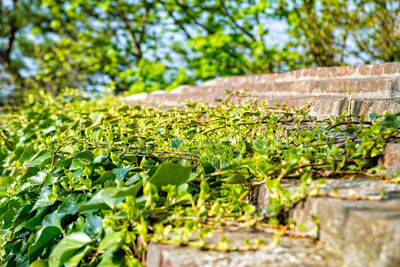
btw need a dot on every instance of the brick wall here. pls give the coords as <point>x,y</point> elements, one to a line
<point>373,88</point>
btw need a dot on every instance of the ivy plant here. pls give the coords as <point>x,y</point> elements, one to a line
<point>91,182</point>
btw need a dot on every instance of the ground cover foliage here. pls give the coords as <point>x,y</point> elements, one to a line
<point>92,182</point>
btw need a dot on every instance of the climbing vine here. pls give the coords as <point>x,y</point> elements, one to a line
<point>92,182</point>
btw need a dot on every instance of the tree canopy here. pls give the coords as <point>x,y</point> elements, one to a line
<point>147,45</point>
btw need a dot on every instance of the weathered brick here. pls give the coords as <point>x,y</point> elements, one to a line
<point>365,70</point>
<point>313,72</point>
<point>322,73</point>
<point>372,237</point>
<point>361,228</point>
<point>273,76</point>
<point>392,157</point>
<point>305,87</point>
<point>323,107</point>
<point>331,72</point>
<point>389,68</point>
<point>292,84</point>
<point>341,71</point>
<point>376,70</point>
<point>351,70</point>
<point>289,252</point>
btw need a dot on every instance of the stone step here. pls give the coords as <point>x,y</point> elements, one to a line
<point>380,87</point>
<point>358,222</point>
<point>342,72</point>
<point>324,106</point>
<point>288,252</point>
<point>321,106</point>
<point>351,217</point>
<point>371,86</point>
<point>391,159</point>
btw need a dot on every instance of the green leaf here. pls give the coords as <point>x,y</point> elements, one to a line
<point>28,152</point>
<point>234,179</point>
<point>77,164</point>
<point>121,172</point>
<point>128,191</point>
<point>52,219</point>
<point>63,163</point>
<point>260,146</point>
<point>39,263</point>
<point>67,247</point>
<point>85,155</point>
<point>45,199</point>
<point>107,198</point>
<point>44,236</point>
<point>77,258</point>
<point>31,171</point>
<point>40,159</point>
<point>37,179</point>
<point>176,143</point>
<point>106,176</point>
<point>111,239</point>
<point>104,199</point>
<point>373,116</point>
<point>70,205</point>
<point>96,118</point>
<point>170,173</point>
<point>108,259</point>
<point>36,221</point>
<point>391,121</point>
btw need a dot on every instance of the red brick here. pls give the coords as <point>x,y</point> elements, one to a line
<point>377,70</point>
<point>282,87</point>
<point>392,155</point>
<point>341,71</point>
<point>351,70</point>
<point>305,72</point>
<point>258,87</point>
<point>365,70</point>
<point>311,86</point>
<point>304,87</point>
<point>331,72</point>
<point>322,72</point>
<point>269,87</point>
<point>209,90</point>
<point>313,72</point>
<point>353,85</point>
<point>390,68</point>
<point>298,73</point>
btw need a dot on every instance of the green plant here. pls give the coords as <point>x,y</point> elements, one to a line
<point>91,182</point>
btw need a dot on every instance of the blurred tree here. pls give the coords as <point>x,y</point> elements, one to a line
<point>333,32</point>
<point>14,18</point>
<point>376,30</point>
<point>147,45</point>
<point>227,37</point>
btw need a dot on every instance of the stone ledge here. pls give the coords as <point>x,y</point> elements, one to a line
<point>341,72</point>
<point>365,230</point>
<point>359,88</point>
<point>380,81</point>
<point>378,87</point>
<point>392,158</point>
<point>321,106</point>
<point>289,252</point>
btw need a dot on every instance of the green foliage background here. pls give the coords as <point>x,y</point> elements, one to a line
<point>146,45</point>
<point>86,184</point>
